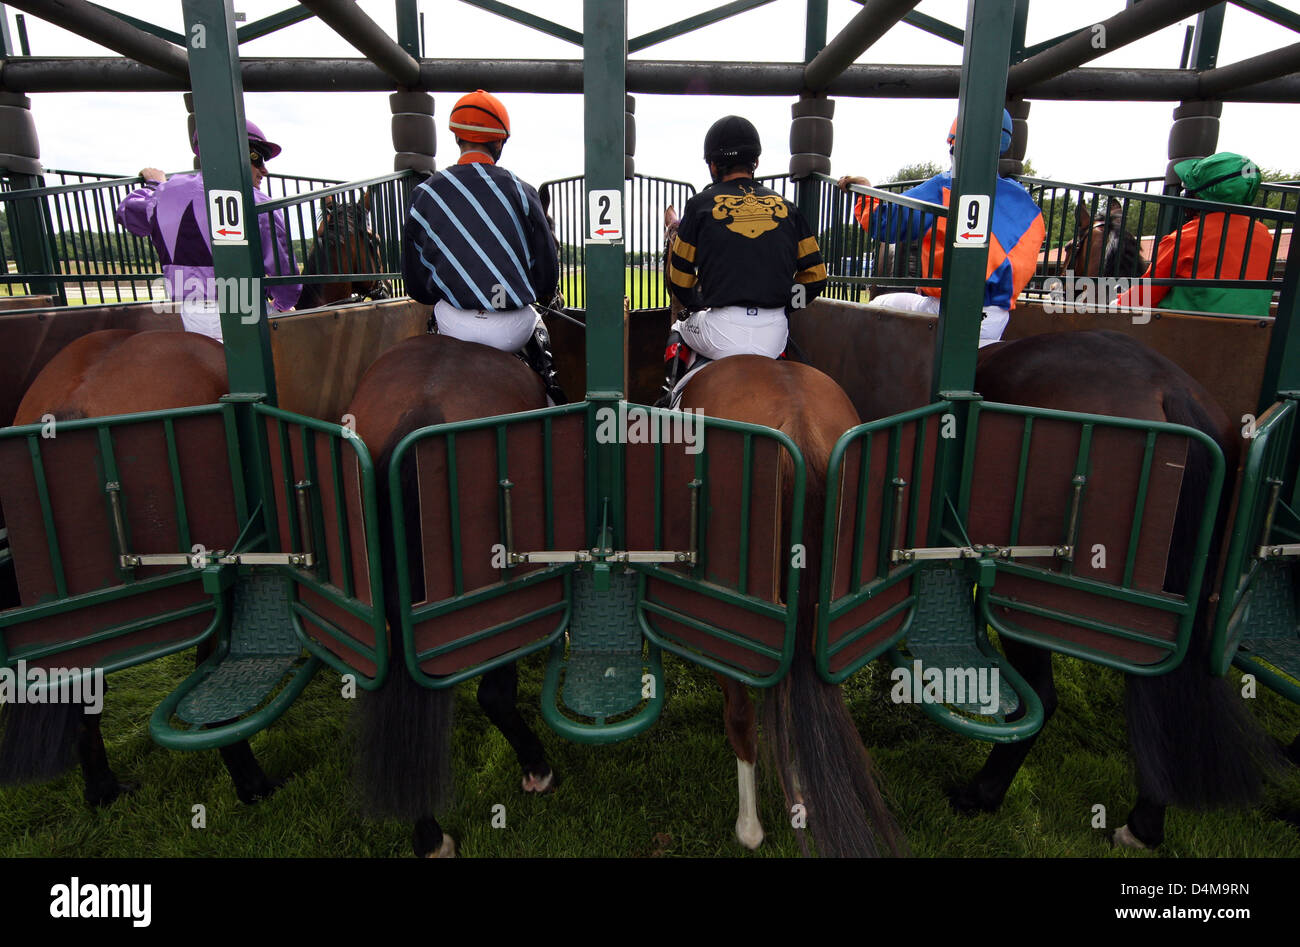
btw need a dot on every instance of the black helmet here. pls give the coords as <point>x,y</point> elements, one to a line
<point>732,140</point>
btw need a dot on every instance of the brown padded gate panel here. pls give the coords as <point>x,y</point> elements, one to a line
<point>874,507</point>
<point>721,516</point>
<point>75,475</point>
<point>477,499</point>
<point>1105,519</point>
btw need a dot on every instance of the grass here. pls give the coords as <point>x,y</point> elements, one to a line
<point>669,792</point>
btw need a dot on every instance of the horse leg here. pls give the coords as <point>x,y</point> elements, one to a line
<point>742,732</point>
<point>986,791</point>
<point>252,785</point>
<point>429,841</point>
<point>1144,828</point>
<point>498,695</point>
<point>101,782</point>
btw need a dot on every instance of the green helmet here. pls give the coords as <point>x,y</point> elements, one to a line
<point>1227,177</point>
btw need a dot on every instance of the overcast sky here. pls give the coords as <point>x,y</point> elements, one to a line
<point>346,135</point>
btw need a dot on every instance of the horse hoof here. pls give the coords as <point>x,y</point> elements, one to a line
<point>539,784</point>
<point>966,801</point>
<point>265,790</point>
<point>106,797</point>
<point>446,850</point>
<point>749,835</point>
<point>1123,836</point>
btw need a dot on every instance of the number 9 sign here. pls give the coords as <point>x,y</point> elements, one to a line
<point>972,221</point>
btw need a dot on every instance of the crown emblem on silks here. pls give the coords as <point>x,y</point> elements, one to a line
<point>750,214</point>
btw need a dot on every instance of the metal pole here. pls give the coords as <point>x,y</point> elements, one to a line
<point>604,87</point>
<point>223,147</point>
<point>102,27</point>
<point>873,21</point>
<point>349,21</point>
<point>408,27</point>
<point>6,41</point>
<point>1101,38</point>
<point>807,195</point>
<point>1280,62</point>
<point>1282,367</point>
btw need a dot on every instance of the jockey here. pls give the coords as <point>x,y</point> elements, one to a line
<point>1017,238</point>
<point>173,214</point>
<point>477,245</point>
<point>743,258</point>
<point>1213,245</point>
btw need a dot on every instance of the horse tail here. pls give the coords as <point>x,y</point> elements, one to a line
<point>812,733</point>
<point>1194,742</point>
<point>38,742</point>
<point>404,730</point>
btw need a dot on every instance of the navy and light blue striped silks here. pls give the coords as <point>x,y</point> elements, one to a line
<point>477,236</point>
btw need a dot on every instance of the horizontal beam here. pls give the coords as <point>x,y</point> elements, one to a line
<point>110,74</point>
<point>874,20</point>
<point>1271,65</point>
<point>1096,40</point>
<point>350,22</point>
<point>102,27</point>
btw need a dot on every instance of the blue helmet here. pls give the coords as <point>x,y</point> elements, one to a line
<point>1006,133</point>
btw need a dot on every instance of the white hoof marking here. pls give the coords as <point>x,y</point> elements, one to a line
<point>446,850</point>
<point>1123,836</point>
<point>532,784</point>
<point>749,831</point>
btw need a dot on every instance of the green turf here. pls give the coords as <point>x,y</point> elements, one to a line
<point>669,792</point>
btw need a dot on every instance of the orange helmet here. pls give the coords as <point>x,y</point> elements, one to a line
<point>480,116</point>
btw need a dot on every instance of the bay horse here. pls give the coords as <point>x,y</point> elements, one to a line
<point>1103,247</point>
<point>344,243</point>
<point>113,371</point>
<point>1193,742</point>
<point>404,743</point>
<point>815,745</point>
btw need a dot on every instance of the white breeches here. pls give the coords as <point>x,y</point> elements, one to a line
<point>201,316</point>
<point>734,330</point>
<point>506,329</point>
<point>992,325</point>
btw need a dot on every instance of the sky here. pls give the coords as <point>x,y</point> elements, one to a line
<point>1073,141</point>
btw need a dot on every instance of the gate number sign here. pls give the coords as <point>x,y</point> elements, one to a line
<point>605,216</point>
<point>972,221</point>
<point>226,216</point>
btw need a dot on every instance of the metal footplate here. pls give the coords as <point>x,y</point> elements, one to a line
<point>954,672</point>
<point>605,674</point>
<point>260,659</point>
<point>1268,624</point>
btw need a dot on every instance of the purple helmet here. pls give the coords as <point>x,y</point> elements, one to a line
<point>256,139</point>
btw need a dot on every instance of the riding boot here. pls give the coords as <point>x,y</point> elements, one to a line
<point>675,355</point>
<point>537,354</point>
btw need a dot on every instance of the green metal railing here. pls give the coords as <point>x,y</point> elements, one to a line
<point>645,199</point>
<point>1262,516</point>
<point>723,574</point>
<point>900,513</point>
<point>347,232</point>
<point>1141,212</point>
<point>38,449</point>
<point>1183,606</point>
<point>324,501</point>
<point>511,579</point>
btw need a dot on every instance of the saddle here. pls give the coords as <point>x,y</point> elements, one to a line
<point>536,354</point>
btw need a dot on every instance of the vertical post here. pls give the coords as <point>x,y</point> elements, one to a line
<point>408,27</point>
<point>1282,367</point>
<point>979,129</point>
<point>604,68</point>
<point>6,41</point>
<point>807,192</point>
<point>1019,24</point>
<point>985,61</point>
<point>223,149</point>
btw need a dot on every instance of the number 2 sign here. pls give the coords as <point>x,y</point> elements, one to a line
<point>605,216</point>
<point>972,221</point>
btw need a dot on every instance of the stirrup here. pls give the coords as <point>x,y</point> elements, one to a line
<point>676,357</point>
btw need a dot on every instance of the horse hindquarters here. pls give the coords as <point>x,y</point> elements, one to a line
<point>1194,743</point>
